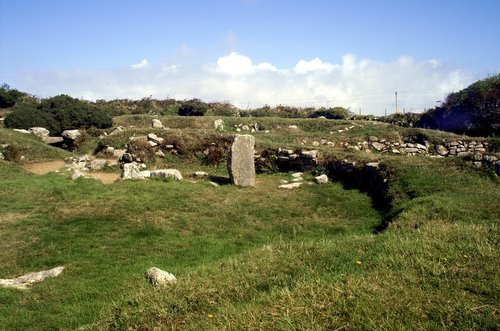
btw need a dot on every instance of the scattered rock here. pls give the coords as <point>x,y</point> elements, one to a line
<point>131,171</point>
<point>293,127</point>
<point>309,154</point>
<point>166,173</point>
<point>77,174</point>
<point>160,153</point>
<point>116,131</point>
<point>291,186</point>
<point>441,150</point>
<point>156,123</point>
<point>240,163</point>
<point>378,146</point>
<point>154,138</point>
<point>97,164</point>
<point>28,280</point>
<point>322,179</point>
<point>219,124</point>
<point>71,134</point>
<point>39,132</point>
<point>158,277</point>
<point>200,174</point>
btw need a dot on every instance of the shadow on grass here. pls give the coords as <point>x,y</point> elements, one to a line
<point>220,180</point>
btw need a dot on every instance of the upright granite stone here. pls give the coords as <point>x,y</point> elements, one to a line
<point>240,162</point>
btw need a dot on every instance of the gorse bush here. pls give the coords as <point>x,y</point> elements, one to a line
<point>335,113</point>
<point>9,97</point>
<point>57,114</point>
<point>193,107</point>
<point>473,111</point>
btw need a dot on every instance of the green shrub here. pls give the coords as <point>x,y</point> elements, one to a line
<point>9,97</point>
<point>474,110</point>
<point>57,114</point>
<point>335,113</point>
<point>193,107</point>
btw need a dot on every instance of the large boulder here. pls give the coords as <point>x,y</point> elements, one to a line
<point>71,134</point>
<point>240,163</point>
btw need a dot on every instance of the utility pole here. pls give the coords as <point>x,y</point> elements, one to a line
<point>396,101</point>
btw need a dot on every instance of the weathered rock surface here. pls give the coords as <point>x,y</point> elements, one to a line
<point>97,164</point>
<point>291,185</point>
<point>158,277</point>
<point>441,150</point>
<point>39,132</point>
<point>26,281</point>
<point>240,163</point>
<point>166,173</point>
<point>219,124</point>
<point>200,174</point>
<point>131,171</point>
<point>71,134</point>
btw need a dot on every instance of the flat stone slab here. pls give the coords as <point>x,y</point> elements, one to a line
<point>26,281</point>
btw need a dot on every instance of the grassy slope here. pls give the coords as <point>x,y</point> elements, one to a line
<point>254,258</point>
<point>29,146</point>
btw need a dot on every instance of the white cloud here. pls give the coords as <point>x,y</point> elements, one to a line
<point>363,84</point>
<point>303,67</point>
<point>235,64</point>
<point>141,65</point>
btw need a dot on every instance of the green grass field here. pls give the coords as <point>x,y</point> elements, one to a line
<point>252,258</point>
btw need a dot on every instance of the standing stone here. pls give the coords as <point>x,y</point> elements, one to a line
<point>156,123</point>
<point>240,162</point>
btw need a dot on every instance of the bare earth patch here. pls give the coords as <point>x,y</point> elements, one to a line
<point>104,177</point>
<point>41,168</point>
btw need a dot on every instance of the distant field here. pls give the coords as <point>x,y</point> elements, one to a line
<point>251,258</point>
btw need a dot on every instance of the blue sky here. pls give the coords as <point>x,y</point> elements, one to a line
<point>307,53</point>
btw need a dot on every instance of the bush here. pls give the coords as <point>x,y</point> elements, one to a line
<point>193,107</point>
<point>9,97</point>
<point>335,113</point>
<point>473,111</point>
<point>57,114</point>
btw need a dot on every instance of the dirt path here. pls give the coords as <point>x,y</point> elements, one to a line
<point>104,177</point>
<point>41,168</point>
